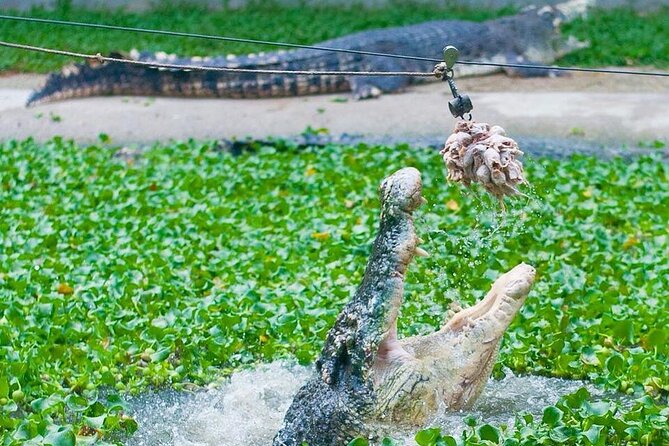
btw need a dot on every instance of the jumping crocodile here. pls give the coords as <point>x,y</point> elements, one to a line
<point>365,374</point>
<point>530,36</point>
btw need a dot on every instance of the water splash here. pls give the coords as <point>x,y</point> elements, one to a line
<point>249,408</point>
<point>474,245</point>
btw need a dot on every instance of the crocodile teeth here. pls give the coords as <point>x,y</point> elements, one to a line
<point>420,252</point>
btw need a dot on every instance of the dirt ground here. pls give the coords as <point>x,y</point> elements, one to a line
<point>611,109</point>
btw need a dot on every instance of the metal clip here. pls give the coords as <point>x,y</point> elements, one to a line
<point>460,105</point>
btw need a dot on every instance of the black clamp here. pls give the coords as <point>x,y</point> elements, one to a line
<point>460,105</point>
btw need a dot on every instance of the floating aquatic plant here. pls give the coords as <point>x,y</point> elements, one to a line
<point>185,263</point>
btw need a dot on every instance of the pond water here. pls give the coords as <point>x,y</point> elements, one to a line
<point>249,408</point>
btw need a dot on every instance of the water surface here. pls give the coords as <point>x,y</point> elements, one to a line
<point>249,408</point>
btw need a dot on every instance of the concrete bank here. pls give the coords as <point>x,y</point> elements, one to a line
<point>585,107</point>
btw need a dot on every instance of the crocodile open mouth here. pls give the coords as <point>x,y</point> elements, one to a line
<point>479,328</point>
<point>489,317</point>
<point>366,374</point>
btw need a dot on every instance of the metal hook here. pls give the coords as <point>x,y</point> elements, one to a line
<point>460,105</point>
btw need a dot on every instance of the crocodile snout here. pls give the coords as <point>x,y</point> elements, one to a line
<point>519,280</point>
<point>402,190</point>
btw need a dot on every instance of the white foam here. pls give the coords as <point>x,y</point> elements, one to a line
<point>246,410</point>
<point>249,408</point>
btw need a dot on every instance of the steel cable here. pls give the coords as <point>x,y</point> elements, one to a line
<point>100,58</point>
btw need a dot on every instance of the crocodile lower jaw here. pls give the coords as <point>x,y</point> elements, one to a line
<point>415,377</point>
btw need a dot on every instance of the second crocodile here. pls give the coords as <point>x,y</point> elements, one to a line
<point>530,36</point>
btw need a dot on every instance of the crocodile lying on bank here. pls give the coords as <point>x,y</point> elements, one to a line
<point>530,36</point>
<point>366,375</point>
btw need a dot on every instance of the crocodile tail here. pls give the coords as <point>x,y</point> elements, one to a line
<point>93,78</point>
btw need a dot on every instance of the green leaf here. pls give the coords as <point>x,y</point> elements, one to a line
<point>4,387</point>
<point>428,437</point>
<point>594,434</point>
<point>160,355</point>
<point>95,422</point>
<point>657,338</point>
<point>470,420</point>
<point>562,434</point>
<point>597,408</point>
<point>359,442</point>
<point>76,403</point>
<point>624,330</point>
<point>552,416</point>
<point>447,441</point>
<point>489,433</point>
<point>63,437</point>
<point>588,356</point>
<point>43,404</point>
<point>615,362</point>
<point>576,399</point>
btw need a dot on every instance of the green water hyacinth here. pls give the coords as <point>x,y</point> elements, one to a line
<point>176,267</point>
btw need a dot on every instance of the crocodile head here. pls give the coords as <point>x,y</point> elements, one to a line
<point>366,374</point>
<point>536,32</point>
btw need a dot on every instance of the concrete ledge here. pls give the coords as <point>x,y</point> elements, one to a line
<point>588,106</point>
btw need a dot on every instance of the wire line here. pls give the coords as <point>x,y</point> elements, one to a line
<point>100,58</point>
<point>561,68</point>
<point>323,48</point>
